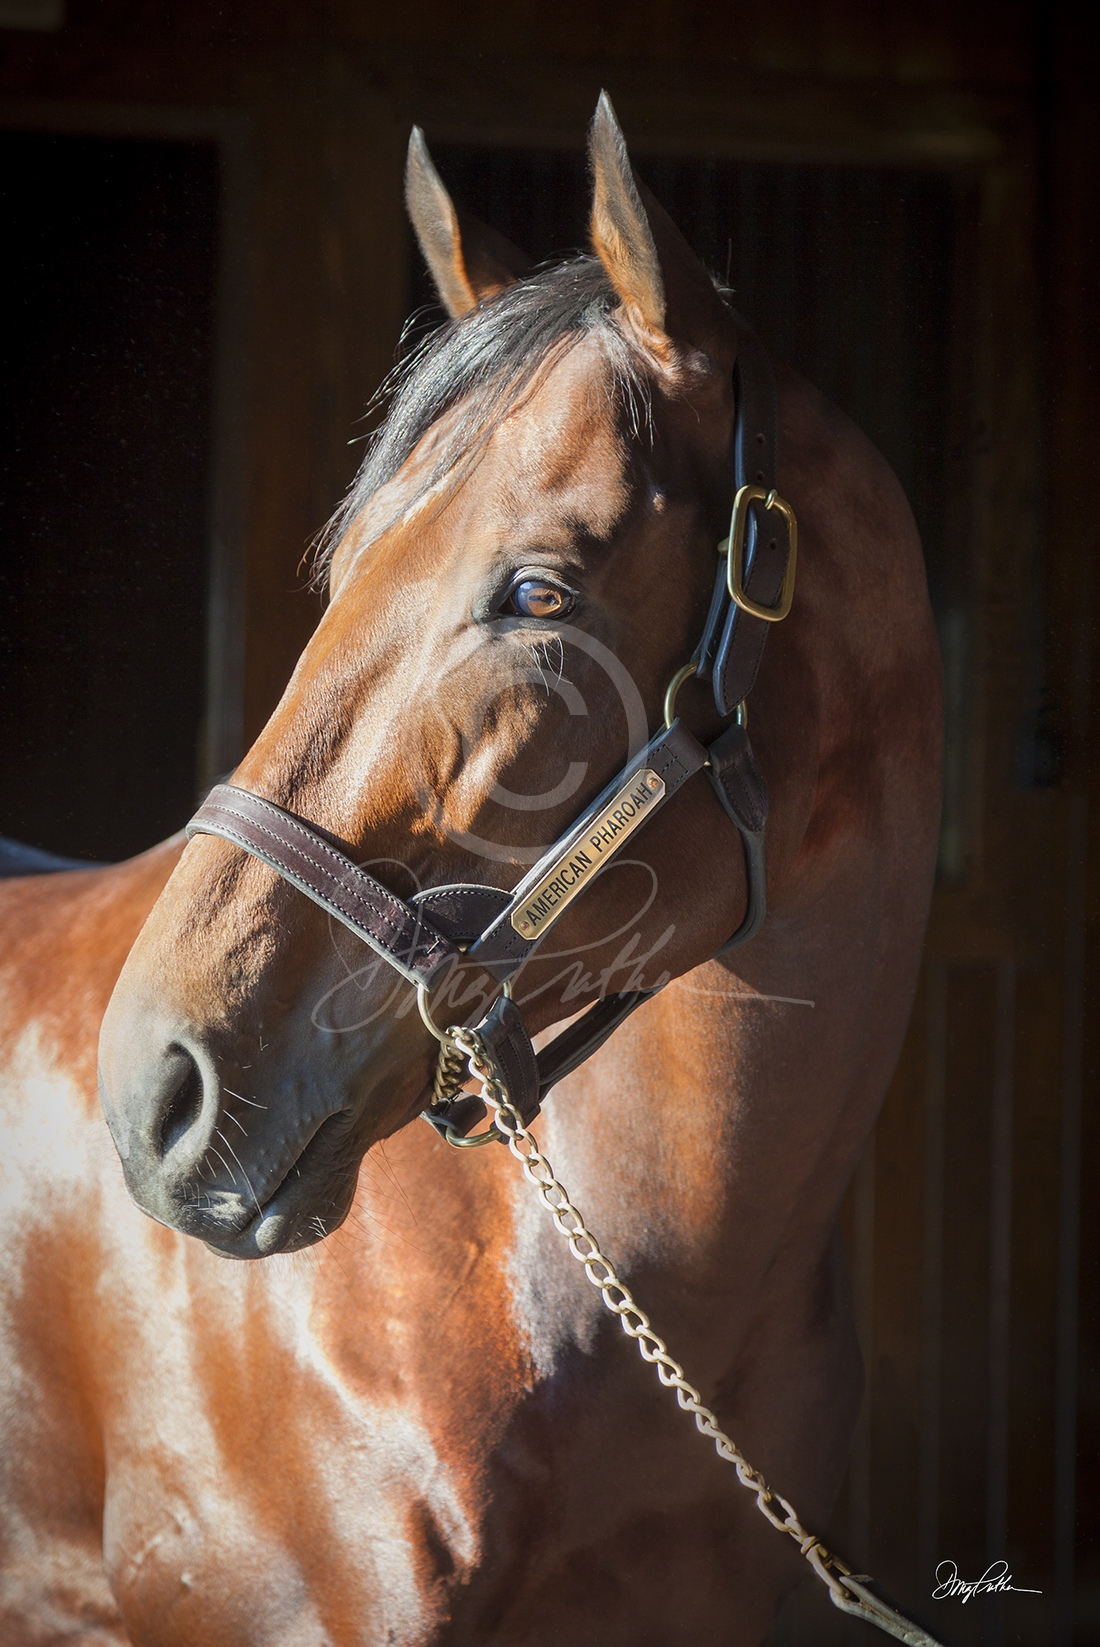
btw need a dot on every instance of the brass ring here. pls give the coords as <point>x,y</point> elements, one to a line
<point>422,996</point>
<point>455,1138</point>
<point>491,1135</point>
<point>444,1037</point>
<point>673,688</point>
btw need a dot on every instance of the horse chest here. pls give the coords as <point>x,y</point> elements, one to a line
<point>263,1490</point>
<point>364,1539</point>
<point>279,1471</point>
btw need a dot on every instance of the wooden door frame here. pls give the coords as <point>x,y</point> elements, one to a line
<point>229,132</point>
<point>1006,910</point>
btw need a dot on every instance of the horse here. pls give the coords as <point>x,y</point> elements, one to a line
<point>413,1422</point>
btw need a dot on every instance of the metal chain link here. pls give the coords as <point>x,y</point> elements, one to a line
<point>845,1589</point>
<point>450,1072</point>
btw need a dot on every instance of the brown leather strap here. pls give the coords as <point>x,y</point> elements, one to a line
<point>739,784</point>
<point>461,910</point>
<point>505,1034</point>
<point>569,1050</point>
<point>733,641</point>
<point>738,781</point>
<point>401,935</point>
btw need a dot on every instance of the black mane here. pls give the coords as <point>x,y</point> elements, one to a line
<point>487,360</point>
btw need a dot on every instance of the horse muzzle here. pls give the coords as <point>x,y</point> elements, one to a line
<point>208,1150</point>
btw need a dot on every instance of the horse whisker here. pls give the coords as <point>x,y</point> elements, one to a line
<point>223,1161</point>
<point>244,1174</point>
<point>251,1102</point>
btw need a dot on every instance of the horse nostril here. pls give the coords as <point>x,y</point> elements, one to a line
<point>184,1106</point>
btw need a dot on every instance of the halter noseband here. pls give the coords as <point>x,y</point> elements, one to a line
<point>431,931</point>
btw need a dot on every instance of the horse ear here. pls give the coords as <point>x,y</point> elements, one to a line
<point>664,289</point>
<point>467,260</point>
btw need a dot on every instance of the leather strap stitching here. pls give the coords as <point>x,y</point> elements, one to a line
<point>426,948</point>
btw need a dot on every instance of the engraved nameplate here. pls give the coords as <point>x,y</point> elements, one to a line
<point>571,873</point>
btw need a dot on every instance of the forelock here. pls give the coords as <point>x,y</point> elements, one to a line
<point>483,365</point>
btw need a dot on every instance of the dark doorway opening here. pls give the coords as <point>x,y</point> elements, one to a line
<point>106,364</point>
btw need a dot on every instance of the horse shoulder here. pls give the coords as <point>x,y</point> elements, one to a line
<point>63,938</point>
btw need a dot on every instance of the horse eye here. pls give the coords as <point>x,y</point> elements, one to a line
<point>534,598</point>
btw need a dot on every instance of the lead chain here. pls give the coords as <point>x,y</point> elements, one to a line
<point>450,1072</point>
<point>845,1590</point>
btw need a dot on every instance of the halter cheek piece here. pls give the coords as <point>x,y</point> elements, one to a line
<point>422,937</point>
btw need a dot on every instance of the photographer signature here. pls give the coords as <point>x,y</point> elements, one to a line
<point>996,1578</point>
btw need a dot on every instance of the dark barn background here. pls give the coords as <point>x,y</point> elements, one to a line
<point>205,275</point>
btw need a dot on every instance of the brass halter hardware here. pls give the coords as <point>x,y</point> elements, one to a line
<point>450,1073</point>
<point>673,687</point>
<point>735,546</point>
<point>444,1036</point>
<point>672,692</point>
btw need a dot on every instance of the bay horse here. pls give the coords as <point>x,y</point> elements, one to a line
<point>413,1423</point>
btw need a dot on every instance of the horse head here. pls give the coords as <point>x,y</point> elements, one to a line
<point>524,562</point>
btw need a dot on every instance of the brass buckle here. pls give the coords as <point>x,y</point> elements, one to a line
<point>735,548</point>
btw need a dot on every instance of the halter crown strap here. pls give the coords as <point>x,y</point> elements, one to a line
<point>732,646</point>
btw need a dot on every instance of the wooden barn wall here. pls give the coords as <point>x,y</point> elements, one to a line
<point>971,1229</point>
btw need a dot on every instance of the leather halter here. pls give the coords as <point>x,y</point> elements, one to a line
<point>425,935</point>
